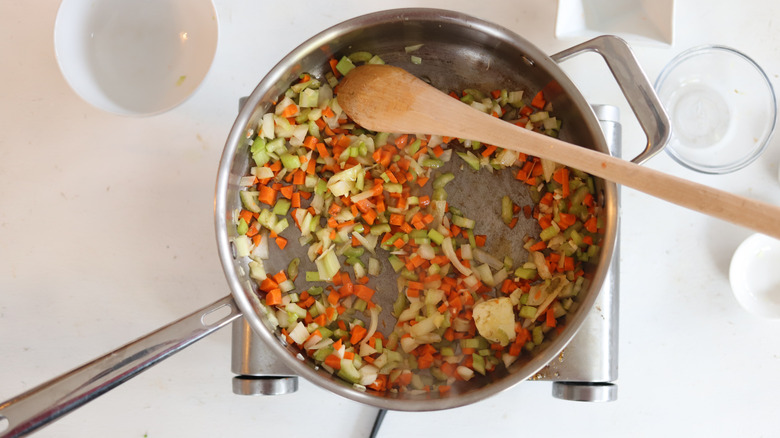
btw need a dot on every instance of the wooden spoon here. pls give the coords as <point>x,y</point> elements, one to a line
<point>389,99</point>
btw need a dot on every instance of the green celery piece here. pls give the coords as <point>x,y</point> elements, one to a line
<point>360,57</point>
<point>506,209</point>
<point>344,65</point>
<point>322,353</point>
<point>435,236</point>
<point>258,144</point>
<point>470,159</point>
<point>290,161</point>
<point>527,312</point>
<point>525,273</point>
<point>478,363</point>
<point>281,207</point>
<point>249,200</point>
<point>242,226</point>
<point>309,98</point>
<point>441,180</point>
<point>537,335</point>
<point>414,147</point>
<point>375,60</point>
<point>548,233</point>
<point>292,268</point>
<point>395,262</point>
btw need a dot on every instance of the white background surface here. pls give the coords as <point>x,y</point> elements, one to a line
<point>106,234</point>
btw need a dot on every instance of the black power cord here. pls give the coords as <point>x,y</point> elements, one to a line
<point>380,416</point>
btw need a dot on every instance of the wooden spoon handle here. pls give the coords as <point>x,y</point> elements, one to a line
<point>384,98</point>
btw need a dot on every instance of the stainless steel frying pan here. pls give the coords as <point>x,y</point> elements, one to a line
<point>458,52</point>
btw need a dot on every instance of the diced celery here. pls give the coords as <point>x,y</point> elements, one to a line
<point>525,273</point>
<point>242,226</point>
<point>327,265</point>
<point>441,180</point>
<point>549,232</point>
<point>249,200</point>
<point>395,262</point>
<point>527,312</point>
<point>478,363</point>
<point>309,98</point>
<point>322,353</point>
<point>375,60</point>
<point>537,335</point>
<point>463,222</point>
<point>292,268</point>
<point>506,209</point>
<point>470,159</point>
<point>379,229</point>
<point>360,56</point>
<point>281,207</point>
<point>241,243</point>
<point>344,65</point>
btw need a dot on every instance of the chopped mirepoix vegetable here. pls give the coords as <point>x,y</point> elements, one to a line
<point>358,199</point>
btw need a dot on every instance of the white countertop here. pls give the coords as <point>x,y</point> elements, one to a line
<point>106,233</point>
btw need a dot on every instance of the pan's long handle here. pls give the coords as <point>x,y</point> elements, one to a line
<point>57,397</point>
<point>636,88</point>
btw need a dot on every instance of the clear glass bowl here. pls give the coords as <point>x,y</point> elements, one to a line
<point>722,106</point>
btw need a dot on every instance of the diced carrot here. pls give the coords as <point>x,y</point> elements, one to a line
<point>295,201</point>
<point>488,150</point>
<point>246,216</point>
<point>273,297</point>
<point>281,242</point>
<point>538,246</point>
<point>358,332</point>
<point>425,361</point>
<point>480,239</point>
<point>333,361</point>
<point>267,195</point>
<point>592,224</point>
<point>396,219</point>
<point>550,318</point>
<point>286,191</point>
<point>365,293</point>
<point>268,284</point>
<point>280,277</point>
<point>538,100</point>
<point>333,62</point>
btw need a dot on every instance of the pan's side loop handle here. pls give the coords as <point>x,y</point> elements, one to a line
<point>47,402</point>
<point>636,88</point>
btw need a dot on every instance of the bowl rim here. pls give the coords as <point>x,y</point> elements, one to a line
<point>762,145</point>
<point>106,104</point>
<point>740,261</point>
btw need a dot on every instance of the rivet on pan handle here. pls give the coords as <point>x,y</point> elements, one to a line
<point>636,88</point>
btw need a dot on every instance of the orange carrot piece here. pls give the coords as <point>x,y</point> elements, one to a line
<point>358,333</point>
<point>295,201</point>
<point>538,100</point>
<point>550,318</point>
<point>281,242</point>
<point>333,361</point>
<point>286,191</point>
<point>538,246</point>
<point>273,297</point>
<point>365,293</point>
<point>267,195</point>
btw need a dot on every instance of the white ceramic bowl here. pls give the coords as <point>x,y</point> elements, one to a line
<point>755,275</point>
<point>139,57</point>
